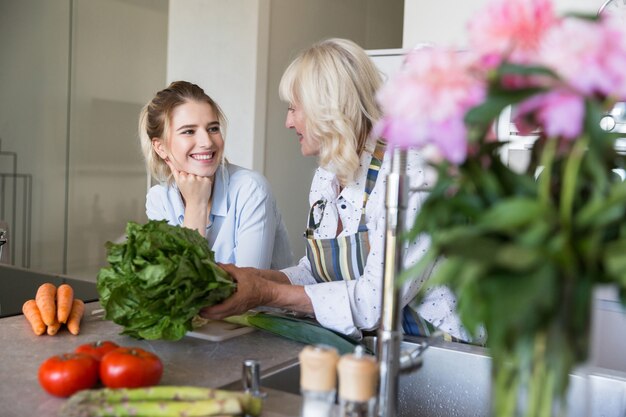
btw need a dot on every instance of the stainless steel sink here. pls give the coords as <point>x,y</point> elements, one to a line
<point>19,284</point>
<point>455,381</point>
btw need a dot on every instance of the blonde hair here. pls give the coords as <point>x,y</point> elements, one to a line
<point>155,117</point>
<point>335,84</point>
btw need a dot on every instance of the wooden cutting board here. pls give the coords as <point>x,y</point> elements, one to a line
<point>217,331</point>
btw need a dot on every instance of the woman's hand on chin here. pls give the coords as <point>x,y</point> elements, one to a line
<point>195,190</point>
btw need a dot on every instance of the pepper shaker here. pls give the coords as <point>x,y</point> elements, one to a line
<point>358,382</point>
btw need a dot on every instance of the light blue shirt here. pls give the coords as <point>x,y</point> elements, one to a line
<point>245,226</point>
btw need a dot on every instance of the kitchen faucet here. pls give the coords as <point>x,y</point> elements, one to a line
<point>389,332</point>
<point>391,361</point>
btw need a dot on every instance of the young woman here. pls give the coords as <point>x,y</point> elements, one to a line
<point>181,133</point>
<point>331,90</point>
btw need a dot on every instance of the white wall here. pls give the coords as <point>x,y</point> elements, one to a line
<point>444,23</point>
<point>222,46</point>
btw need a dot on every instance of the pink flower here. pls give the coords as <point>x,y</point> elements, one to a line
<point>510,30</point>
<point>590,56</point>
<point>560,114</point>
<point>425,103</point>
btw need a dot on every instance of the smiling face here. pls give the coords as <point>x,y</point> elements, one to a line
<point>194,141</point>
<point>296,120</point>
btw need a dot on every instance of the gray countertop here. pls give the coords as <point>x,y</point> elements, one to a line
<point>189,361</point>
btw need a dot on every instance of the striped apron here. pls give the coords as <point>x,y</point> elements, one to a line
<point>343,257</point>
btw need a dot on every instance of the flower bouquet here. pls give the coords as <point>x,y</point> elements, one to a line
<point>521,250</point>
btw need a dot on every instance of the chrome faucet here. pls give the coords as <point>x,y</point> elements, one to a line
<point>390,333</point>
<point>390,358</point>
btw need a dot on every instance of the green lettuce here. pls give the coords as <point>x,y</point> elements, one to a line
<point>159,279</point>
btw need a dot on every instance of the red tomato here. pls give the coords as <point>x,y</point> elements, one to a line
<point>63,375</point>
<point>97,349</point>
<point>129,367</point>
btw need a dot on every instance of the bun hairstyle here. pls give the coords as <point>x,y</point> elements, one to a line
<point>155,117</point>
<point>335,83</point>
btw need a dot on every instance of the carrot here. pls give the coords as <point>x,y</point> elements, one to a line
<point>54,327</point>
<point>73,322</point>
<point>65,297</point>
<point>32,314</point>
<point>45,299</point>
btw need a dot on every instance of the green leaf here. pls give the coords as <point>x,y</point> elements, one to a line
<point>462,277</point>
<point>490,251</point>
<point>517,257</point>
<point>518,303</point>
<point>535,234</point>
<point>418,268</point>
<point>488,111</point>
<point>585,16</point>
<point>593,114</point>
<point>496,101</point>
<point>603,211</point>
<point>511,214</point>
<point>527,70</point>
<point>615,261</point>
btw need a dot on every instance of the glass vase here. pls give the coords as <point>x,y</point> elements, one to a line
<point>532,382</point>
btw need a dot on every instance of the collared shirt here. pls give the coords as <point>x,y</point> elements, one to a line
<point>244,227</point>
<point>351,306</point>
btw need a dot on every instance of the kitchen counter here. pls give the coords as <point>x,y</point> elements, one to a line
<point>189,361</point>
<point>193,361</point>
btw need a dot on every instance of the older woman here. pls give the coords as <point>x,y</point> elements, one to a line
<point>330,88</point>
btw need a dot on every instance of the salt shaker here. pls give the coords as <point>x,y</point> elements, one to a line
<point>318,380</point>
<point>358,382</point>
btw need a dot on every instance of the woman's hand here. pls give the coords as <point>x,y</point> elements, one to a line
<point>196,192</point>
<point>259,287</point>
<point>252,291</point>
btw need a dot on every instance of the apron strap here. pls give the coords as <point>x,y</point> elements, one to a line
<point>372,176</point>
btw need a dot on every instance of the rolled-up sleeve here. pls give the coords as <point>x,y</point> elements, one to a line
<point>300,274</point>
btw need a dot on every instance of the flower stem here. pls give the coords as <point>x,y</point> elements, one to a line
<point>538,367</point>
<point>545,178</point>
<point>542,400</point>
<point>570,177</point>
